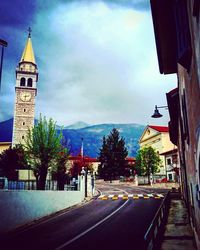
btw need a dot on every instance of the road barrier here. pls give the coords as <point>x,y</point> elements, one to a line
<point>157,224</point>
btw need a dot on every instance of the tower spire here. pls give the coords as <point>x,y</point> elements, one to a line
<point>28,54</point>
<point>29,32</point>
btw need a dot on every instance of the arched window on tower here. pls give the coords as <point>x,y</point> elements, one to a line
<point>30,82</point>
<point>22,81</point>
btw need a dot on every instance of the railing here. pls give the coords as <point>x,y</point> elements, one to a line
<point>157,224</point>
<point>31,185</point>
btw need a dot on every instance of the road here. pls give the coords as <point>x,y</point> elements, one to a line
<point>117,220</point>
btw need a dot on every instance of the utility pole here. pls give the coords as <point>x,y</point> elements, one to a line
<point>3,44</point>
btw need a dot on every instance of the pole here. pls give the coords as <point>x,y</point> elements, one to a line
<point>1,64</point>
<point>3,44</point>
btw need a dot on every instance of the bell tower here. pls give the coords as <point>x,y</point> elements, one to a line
<point>25,93</point>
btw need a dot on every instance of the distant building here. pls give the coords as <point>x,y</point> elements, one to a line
<point>158,138</point>
<point>4,146</point>
<point>177,34</point>
<point>172,165</point>
<point>85,160</point>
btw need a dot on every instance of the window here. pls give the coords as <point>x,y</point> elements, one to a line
<point>22,81</point>
<point>169,161</point>
<point>170,177</point>
<point>184,54</point>
<point>30,82</point>
<point>185,119</point>
<point>22,137</point>
<point>24,110</point>
<point>196,9</point>
<point>23,123</point>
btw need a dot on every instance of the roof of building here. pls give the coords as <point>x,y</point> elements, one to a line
<point>83,158</point>
<point>28,54</point>
<point>160,128</point>
<point>173,151</point>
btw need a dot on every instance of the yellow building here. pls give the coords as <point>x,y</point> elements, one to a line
<point>4,146</point>
<point>158,138</point>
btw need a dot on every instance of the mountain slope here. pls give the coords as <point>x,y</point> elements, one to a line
<point>92,136</point>
<point>77,125</point>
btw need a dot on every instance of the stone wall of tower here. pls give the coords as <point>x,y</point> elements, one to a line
<point>24,115</point>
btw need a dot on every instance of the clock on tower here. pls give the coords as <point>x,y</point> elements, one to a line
<point>25,93</point>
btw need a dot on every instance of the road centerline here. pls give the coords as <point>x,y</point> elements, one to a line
<point>91,228</point>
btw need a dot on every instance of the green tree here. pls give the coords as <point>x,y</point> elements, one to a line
<point>112,156</point>
<point>11,160</point>
<point>147,161</point>
<point>42,146</point>
<point>59,169</point>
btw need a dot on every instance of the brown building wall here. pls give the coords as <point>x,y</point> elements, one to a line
<point>189,83</point>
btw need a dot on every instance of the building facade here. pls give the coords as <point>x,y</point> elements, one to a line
<point>4,146</point>
<point>177,35</point>
<point>157,137</point>
<point>25,93</point>
<point>172,165</point>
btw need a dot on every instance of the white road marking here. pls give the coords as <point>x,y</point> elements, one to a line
<point>131,195</point>
<point>160,195</point>
<point>91,228</point>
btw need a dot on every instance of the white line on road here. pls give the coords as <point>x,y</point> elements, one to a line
<point>91,228</point>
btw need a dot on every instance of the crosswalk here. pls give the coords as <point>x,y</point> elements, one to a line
<point>130,196</point>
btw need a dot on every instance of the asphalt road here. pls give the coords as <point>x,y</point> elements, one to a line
<point>101,224</point>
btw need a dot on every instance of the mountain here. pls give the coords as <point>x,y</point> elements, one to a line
<point>6,128</point>
<point>92,136</point>
<point>77,125</point>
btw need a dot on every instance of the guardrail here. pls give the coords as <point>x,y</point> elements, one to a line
<point>151,236</point>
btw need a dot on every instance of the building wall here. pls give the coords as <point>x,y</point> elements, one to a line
<point>167,145</point>
<point>22,207</point>
<point>4,146</point>
<point>178,48</point>
<point>160,142</point>
<point>189,84</point>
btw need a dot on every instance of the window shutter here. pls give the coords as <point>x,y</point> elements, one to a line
<point>183,34</point>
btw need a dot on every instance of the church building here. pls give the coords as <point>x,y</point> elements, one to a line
<point>25,93</point>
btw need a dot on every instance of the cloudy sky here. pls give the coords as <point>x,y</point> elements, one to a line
<point>97,60</point>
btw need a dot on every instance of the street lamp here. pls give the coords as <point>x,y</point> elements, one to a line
<point>156,113</point>
<point>3,44</point>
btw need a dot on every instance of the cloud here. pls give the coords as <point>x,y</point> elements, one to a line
<point>97,62</point>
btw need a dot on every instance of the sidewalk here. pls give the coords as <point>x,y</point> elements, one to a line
<point>178,233</point>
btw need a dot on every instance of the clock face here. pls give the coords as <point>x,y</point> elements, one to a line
<point>25,96</point>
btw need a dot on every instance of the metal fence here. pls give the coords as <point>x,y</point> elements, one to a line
<point>157,224</point>
<point>31,185</point>
<point>142,180</point>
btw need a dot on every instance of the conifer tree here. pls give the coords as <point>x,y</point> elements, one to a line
<point>112,156</point>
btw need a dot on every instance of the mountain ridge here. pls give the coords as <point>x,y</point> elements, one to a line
<point>92,136</point>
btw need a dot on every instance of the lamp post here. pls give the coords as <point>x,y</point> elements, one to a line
<point>3,44</point>
<point>156,113</point>
<point>84,173</point>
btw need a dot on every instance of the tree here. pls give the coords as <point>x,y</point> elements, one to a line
<point>11,160</point>
<point>59,169</point>
<point>78,166</point>
<point>42,146</point>
<point>147,161</point>
<point>112,156</point>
